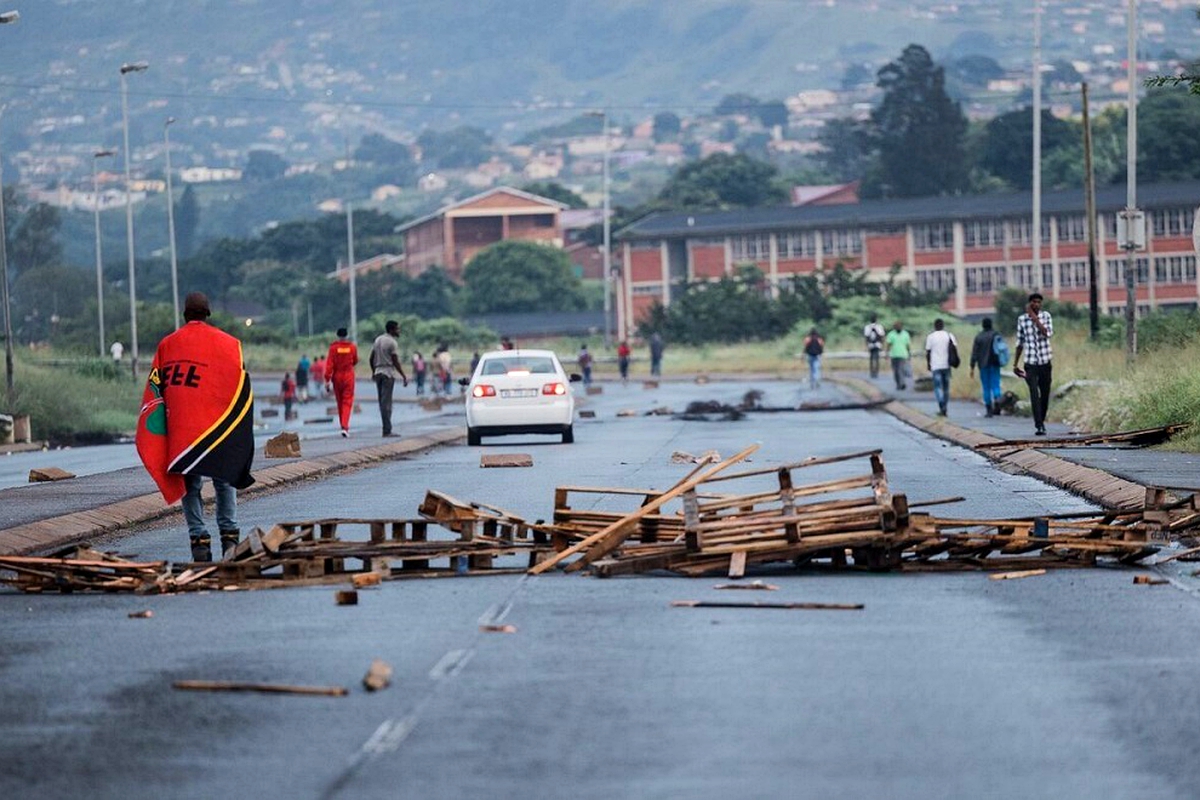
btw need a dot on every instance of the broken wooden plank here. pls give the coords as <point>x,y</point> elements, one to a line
<point>799,606</point>
<point>506,460</point>
<point>1009,576</point>
<point>267,688</point>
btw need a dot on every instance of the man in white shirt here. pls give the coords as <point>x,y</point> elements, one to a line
<point>938,348</point>
<point>873,335</point>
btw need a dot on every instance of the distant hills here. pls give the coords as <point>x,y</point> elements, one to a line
<point>305,76</point>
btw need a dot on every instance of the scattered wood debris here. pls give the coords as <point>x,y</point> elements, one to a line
<point>707,457</point>
<point>147,614</point>
<point>752,586</point>
<point>1147,580</point>
<point>1145,437</point>
<point>266,688</point>
<point>587,413</point>
<point>798,606</point>
<point>346,597</point>
<point>1012,576</point>
<point>498,628</point>
<point>379,675</point>
<point>45,474</point>
<point>506,460</point>
<point>628,412</point>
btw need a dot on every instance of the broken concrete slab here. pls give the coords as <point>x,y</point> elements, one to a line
<point>285,445</point>
<point>506,460</point>
<point>45,474</point>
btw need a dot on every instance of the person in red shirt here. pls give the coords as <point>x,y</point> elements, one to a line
<point>318,376</point>
<point>339,376</point>
<point>623,353</point>
<point>287,392</point>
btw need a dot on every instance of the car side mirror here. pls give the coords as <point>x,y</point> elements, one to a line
<point>575,377</point>
<point>464,381</point>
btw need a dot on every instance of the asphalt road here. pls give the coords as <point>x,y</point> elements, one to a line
<point>1074,684</point>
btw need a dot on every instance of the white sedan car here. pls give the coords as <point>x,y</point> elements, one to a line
<point>519,391</point>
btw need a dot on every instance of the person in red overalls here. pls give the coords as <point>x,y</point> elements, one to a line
<point>339,376</point>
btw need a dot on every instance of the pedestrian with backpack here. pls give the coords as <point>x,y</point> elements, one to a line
<point>989,352</point>
<point>941,356</point>
<point>873,335</point>
<point>814,346</point>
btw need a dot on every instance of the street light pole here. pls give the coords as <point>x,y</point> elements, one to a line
<point>1131,213</point>
<point>171,220</point>
<point>140,66</point>
<point>606,255</point>
<point>1036,239</point>
<point>350,256</point>
<point>96,156</point>
<point>6,18</point>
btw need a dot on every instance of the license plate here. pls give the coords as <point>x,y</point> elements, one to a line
<point>518,392</point>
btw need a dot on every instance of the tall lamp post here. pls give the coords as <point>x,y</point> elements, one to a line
<point>607,253</point>
<point>350,257</point>
<point>1036,238</point>
<point>171,220</point>
<point>6,18</point>
<point>138,66</point>
<point>96,156</point>
<point>1133,218</point>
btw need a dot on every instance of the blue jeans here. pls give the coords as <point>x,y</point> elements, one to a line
<point>989,381</point>
<point>193,507</point>
<point>814,371</point>
<point>941,387</point>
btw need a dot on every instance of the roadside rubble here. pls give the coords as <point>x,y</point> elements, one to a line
<point>831,513</point>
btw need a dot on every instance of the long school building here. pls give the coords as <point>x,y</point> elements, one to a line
<point>971,247</point>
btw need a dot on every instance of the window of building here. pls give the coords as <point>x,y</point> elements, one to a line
<point>1023,276</point>
<point>1175,269</point>
<point>983,233</point>
<point>985,280</point>
<point>933,236</point>
<point>751,247</point>
<point>1047,274</point>
<point>644,246</point>
<point>1072,229</point>
<point>1171,222</point>
<point>1116,271</point>
<point>1020,230</point>
<point>935,280</point>
<point>798,244</point>
<point>1073,274</point>
<point>841,242</point>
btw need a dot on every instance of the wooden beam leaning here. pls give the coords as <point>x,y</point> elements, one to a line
<point>605,541</point>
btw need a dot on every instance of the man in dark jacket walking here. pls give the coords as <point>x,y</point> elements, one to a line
<point>983,355</point>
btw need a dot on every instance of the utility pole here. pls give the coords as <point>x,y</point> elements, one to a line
<point>1134,221</point>
<point>1089,182</point>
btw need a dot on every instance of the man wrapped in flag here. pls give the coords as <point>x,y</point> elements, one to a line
<point>197,420</point>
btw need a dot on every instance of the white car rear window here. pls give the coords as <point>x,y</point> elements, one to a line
<point>536,365</point>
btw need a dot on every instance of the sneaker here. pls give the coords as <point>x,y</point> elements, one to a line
<point>345,432</point>
<point>1040,432</point>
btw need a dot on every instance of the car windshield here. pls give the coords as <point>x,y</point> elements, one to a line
<point>519,365</point>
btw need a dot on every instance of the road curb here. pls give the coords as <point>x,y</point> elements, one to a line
<point>57,532</point>
<point>1100,487</point>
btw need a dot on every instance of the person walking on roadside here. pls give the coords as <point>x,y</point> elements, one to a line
<point>287,393</point>
<point>814,346</point>
<point>196,421</point>
<point>339,376</point>
<point>318,376</point>
<point>385,366</point>
<point>302,368</point>
<point>585,364</point>
<point>941,356</point>
<point>873,335</point>
<point>623,354</point>
<point>1034,329</point>
<point>656,353</point>
<point>899,346</point>
<point>985,356</point>
<point>418,368</point>
<point>445,374</point>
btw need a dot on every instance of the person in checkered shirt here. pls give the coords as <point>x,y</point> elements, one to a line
<point>1034,329</point>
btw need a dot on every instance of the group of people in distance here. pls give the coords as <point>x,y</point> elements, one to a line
<point>989,353</point>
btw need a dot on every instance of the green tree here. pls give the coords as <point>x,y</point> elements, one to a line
<point>555,191</point>
<point>921,131</point>
<point>740,103</point>
<point>187,222</point>
<point>667,126</point>
<point>464,146</point>
<point>34,241</point>
<point>512,276</point>
<point>772,113</point>
<point>849,149</point>
<point>264,165</point>
<point>375,148</point>
<point>1006,147</point>
<point>976,70</point>
<point>1168,136</point>
<point>723,181</point>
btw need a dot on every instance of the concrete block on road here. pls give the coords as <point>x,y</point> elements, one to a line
<point>285,445</point>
